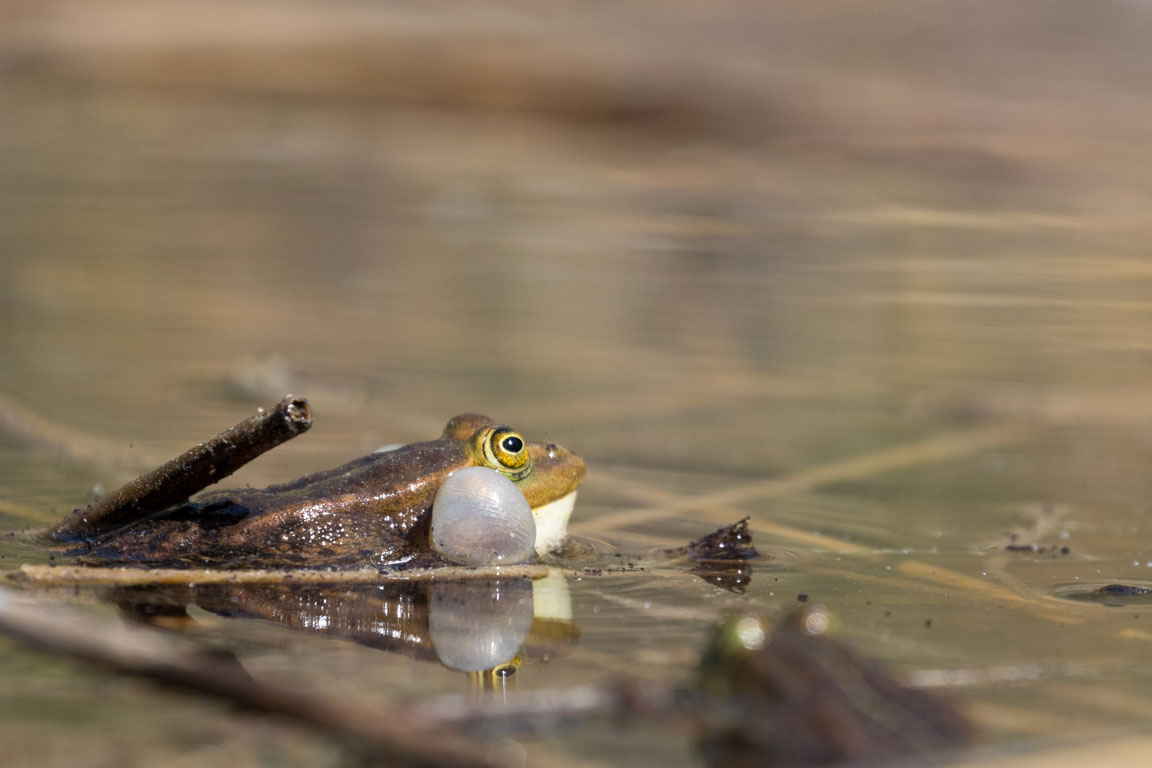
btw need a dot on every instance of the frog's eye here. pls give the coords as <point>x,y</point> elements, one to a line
<point>506,450</point>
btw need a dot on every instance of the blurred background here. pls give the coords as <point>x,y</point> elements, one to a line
<point>875,274</point>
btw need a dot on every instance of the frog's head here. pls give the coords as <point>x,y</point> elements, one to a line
<point>547,474</point>
<point>743,649</point>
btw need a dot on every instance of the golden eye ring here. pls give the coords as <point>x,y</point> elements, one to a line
<point>507,451</point>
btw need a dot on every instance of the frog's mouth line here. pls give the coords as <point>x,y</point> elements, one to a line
<point>552,522</point>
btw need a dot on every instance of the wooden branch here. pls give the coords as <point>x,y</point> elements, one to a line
<point>191,472</point>
<point>389,733</point>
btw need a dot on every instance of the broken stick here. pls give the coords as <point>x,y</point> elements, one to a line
<point>191,472</point>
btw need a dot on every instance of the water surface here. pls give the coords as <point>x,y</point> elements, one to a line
<point>892,304</point>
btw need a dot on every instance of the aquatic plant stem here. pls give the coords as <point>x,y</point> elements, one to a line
<point>388,735</point>
<point>191,472</point>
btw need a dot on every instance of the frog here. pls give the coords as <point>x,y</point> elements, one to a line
<point>374,511</point>
<point>795,695</point>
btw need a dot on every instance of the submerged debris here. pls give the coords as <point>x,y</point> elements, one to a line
<point>722,557</point>
<point>1043,523</point>
<point>732,542</point>
<point>1124,590</point>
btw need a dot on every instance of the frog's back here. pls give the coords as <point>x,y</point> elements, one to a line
<point>370,511</point>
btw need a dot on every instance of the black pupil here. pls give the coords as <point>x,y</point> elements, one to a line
<point>512,444</point>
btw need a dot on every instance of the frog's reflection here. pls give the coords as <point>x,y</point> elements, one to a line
<point>486,627</point>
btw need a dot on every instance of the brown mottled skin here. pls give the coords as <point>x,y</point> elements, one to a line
<point>372,511</point>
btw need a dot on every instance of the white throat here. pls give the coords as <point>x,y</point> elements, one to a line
<point>552,522</point>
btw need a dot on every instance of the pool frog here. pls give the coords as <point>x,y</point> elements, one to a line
<point>793,695</point>
<point>371,512</point>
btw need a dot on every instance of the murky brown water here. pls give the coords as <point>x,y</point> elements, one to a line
<point>879,281</point>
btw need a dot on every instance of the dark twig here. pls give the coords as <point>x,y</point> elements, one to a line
<point>191,472</point>
<point>389,733</point>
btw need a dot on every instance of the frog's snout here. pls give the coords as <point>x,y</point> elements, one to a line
<point>556,472</point>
